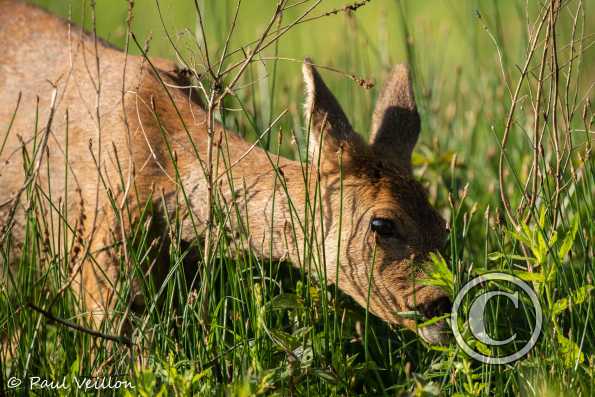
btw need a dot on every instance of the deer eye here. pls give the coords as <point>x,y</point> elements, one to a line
<point>384,227</point>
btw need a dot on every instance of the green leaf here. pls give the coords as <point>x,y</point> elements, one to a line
<point>483,349</point>
<point>441,267</point>
<point>578,296</point>
<point>581,294</point>
<point>74,368</point>
<point>551,274</point>
<point>542,245</point>
<point>538,249</point>
<point>526,276</point>
<point>551,241</point>
<point>569,238</point>
<point>282,339</point>
<point>196,378</point>
<point>523,237</point>
<point>439,274</point>
<point>326,375</point>
<point>542,217</point>
<point>559,306</point>
<point>412,315</point>
<point>571,353</point>
<point>433,321</point>
<point>286,302</point>
<point>494,256</point>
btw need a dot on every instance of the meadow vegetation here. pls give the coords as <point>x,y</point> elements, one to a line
<point>505,91</point>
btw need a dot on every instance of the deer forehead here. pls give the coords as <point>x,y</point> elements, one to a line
<point>384,191</point>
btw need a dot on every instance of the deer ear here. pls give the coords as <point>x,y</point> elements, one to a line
<point>395,122</point>
<point>329,127</point>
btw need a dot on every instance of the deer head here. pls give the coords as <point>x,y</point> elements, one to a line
<point>391,228</point>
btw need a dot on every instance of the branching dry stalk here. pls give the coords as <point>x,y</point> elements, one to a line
<point>505,136</point>
<point>282,30</point>
<point>532,194</point>
<point>554,106</point>
<point>554,10</point>
<point>36,163</point>
<point>214,101</point>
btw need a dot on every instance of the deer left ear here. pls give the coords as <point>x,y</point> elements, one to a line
<point>329,127</point>
<point>396,122</point>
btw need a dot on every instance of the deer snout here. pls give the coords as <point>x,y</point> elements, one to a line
<point>435,308</point>
<point>437,333</point>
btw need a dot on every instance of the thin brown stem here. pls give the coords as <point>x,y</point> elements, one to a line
<point>532,194</point>
<point>505,136</point>
<point>114,338</point>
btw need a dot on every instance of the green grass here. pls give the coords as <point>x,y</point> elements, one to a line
<point>275,330</point>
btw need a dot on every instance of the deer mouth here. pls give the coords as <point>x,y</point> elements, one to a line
<point>436,334</point>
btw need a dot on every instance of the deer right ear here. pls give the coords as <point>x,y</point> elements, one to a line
<point>329,128</point>
<point>395,122</point>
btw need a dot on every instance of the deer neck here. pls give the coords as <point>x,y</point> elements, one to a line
<point>267,201</point>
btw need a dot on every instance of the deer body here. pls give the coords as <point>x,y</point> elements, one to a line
<point>111,131</point>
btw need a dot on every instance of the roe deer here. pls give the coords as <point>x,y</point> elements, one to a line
<point>105,125</point>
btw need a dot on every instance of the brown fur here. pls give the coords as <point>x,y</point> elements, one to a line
<point>131,128</point>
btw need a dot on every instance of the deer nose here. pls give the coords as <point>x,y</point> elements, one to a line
<point>436,308</point>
